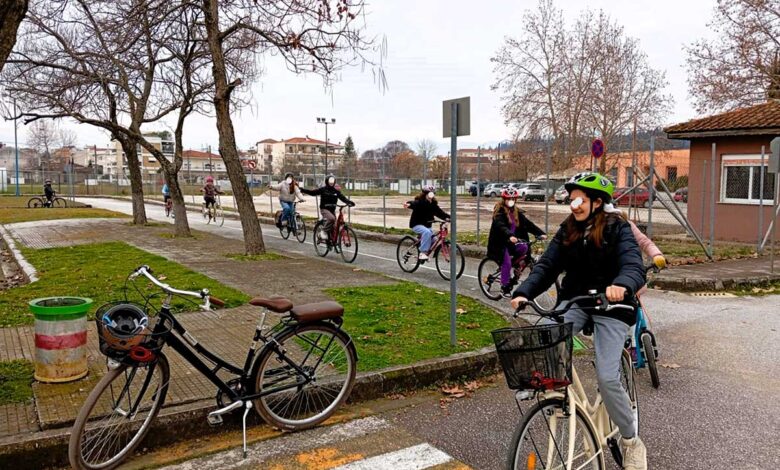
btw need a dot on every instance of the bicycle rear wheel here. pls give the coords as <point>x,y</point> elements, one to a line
<point>34,202</point>
<point>219,215</point>
<point>300,228</point>
<point>348,244</point>
<point>168,207</point>
<point>407,254</point>
<point>321,245</point>
<point>117,414</point>
<point>542,440</point>
<point>59,202</point>
<point>444,256</point>
<point>489,273</point>
<point>648,350</point>
<point>329,359</point>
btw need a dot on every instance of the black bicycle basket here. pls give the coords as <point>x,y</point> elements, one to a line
<point>535,357</point>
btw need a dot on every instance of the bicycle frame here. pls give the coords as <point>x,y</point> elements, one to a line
<point>639,327</point>
<point>337,225</point>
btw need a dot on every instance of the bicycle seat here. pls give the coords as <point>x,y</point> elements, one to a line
<point>317,311</point>
<point>274,304</point>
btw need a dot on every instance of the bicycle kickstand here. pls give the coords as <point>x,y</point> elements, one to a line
<point>247,407</point>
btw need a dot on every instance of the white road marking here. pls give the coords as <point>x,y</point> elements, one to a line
<point>412,458</point>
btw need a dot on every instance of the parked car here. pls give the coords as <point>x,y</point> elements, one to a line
<point>494,189</point>
<point>638,197</point>
<point>532,191</point>
<point>561,195</point>
<point>681,195</point>
<point>473,188</point>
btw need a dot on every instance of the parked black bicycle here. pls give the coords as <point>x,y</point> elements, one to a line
<point>303,372</point>
<point>41,201</point>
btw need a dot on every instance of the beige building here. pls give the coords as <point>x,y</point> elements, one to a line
<point>297,154</point>
<point>149,164</point>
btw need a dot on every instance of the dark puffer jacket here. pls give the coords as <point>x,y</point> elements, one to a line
<point>500,231</point>
<point>424,211</point>
<point>617,262</point>
<point>329,197</point>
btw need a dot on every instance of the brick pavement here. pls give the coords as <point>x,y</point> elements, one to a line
<point>227,332</point>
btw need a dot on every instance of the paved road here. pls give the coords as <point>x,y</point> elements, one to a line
<point>718,410</point>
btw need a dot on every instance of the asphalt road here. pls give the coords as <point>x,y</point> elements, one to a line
<point>717,407</point>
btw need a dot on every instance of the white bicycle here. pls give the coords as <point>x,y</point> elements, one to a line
<point>563,429</point>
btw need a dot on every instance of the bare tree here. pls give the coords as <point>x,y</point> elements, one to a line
<point>42,136</point>
<point>311,36</point>
<point>11,15</point>
<point>740,66</point>
<point>426,149</point>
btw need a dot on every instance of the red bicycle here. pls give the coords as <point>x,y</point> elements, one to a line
<point>342,238</point>
<point>408,253</point>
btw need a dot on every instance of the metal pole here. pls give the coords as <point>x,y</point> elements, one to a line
<point>703,194</point>
<point>384,198</point>
<point>712,199</point>
<point>546,187</point>
<point>651,189</point>
<point>16,149</point>
<point>774,224</point>
<point>453,226</point>
<point>479,160</point>
<point>761,202</point>
<point>326,148</point>
<point>498,160</point>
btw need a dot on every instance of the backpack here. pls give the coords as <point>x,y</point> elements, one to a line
<point>278,219</point>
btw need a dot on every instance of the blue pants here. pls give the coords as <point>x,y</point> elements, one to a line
<point>427,235</point>
<point>287,213</point>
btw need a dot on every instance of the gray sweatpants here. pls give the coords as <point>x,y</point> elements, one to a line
<point>609,336</point>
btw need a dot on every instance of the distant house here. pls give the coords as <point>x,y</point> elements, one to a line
<point>297,154</point>
<point>731,143</point>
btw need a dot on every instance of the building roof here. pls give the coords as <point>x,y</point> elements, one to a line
<point>199,155</point>
<point>309,140</point>
<point>762,119</point>
<point>269,141</point>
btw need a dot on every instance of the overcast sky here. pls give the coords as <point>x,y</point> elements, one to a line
<point>437,50</point>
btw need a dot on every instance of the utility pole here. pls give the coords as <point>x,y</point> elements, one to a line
<point>211,168</point>
<point>322,120</point>
<point>16,149</point>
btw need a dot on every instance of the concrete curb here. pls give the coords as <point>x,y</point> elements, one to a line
<point>694,284</point>
<point>27,268</point>
<point>50,448</point>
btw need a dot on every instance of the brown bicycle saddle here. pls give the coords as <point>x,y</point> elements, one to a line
<point>274,304</point>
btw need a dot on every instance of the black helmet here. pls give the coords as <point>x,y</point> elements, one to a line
<point>48,181</point>
<point>288,175</point>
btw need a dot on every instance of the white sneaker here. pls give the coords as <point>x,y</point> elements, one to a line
<point>323,234</point>
<point>422,257</point>
<point>634,454</point>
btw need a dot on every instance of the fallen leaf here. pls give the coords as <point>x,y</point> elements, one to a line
<point>471,386</point>
<point>472,326</point>
<point>671,366</point>
<point>460,311</point>
<point>440,293</point>
<point>356,269</point>
<point>162,277</point>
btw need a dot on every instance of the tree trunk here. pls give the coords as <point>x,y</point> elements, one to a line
<point>181,225</point>
<point>253,236</point>
<point>11,15</point>
<point>129,147</point>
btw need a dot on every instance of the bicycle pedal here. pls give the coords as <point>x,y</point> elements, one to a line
<point>215,420</point>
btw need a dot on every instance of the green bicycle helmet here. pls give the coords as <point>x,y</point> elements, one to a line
<point>594,185</point>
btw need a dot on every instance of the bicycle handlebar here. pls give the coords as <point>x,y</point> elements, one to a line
<point>602,304</point>
<point>146,271</point>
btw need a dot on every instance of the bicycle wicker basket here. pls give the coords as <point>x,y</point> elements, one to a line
<point>150,345</point>
<point>535,357</point>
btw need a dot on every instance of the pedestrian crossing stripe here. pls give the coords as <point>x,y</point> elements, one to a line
<point>411,458</point>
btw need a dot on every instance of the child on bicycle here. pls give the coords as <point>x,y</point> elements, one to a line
<point>329,197</point>
<point>424,208</point>
<point>48,192</point>
<point>210,192</point>
<point>289,192</point>
<point>509,235</point>
<point>597,251</point>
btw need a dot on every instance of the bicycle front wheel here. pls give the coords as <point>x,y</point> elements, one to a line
<point>489,273</point>
<point>34,202</point>
<point>117,414</point>
<point>444,257</point>
<point>407,254</point>
<point>542,440</point>
<point>302,400</point>
<point>348,244</point>
<point>59,202</point>
<point>648,350</point>
<point>300,228</point>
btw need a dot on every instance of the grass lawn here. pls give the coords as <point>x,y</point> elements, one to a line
<point>14,215</point>
<point>405,323</point>
<point>16,378</point>
<point>98,271</point>
<point>686,251</point>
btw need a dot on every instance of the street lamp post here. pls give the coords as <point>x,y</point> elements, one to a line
<point>322,120</point>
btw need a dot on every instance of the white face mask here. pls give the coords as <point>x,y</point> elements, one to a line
<point>510,203</point>
<point>288,180</point>
<point>331,181</point>
<point>429,195</point>
<point>576,203</point>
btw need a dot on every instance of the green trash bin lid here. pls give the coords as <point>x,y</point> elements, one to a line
<point>60,308</point>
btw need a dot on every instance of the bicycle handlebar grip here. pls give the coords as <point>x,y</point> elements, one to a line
<point>216,301</point>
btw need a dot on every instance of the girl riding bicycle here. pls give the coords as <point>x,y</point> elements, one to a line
<point>329,196</point>
<point>508,240</point>
<point>210,192</point>
<point>424,208</point>
<point>597,251</point>
<point>289,192</point>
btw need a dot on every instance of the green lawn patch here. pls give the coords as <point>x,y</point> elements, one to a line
<point>405,323</point>
<point>16,378</point>
<point>98,271</point>
<point>267,256</point>
<point>688,251</point>
<point>13,215</point>
<point>772,288</point>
